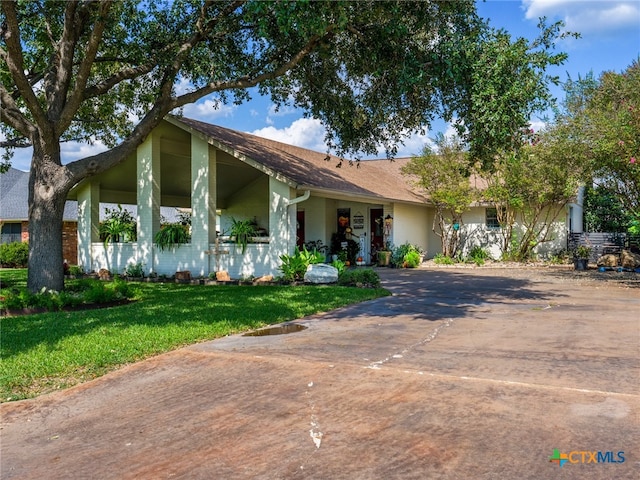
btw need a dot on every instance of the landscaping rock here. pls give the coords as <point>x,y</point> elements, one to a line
<point>608,261</point>
<point>629,259</point>
<point>264,279</point>
<point>223,276</point>
<point>183,276</point>
<point>321,273</point>
<point>104,274</point>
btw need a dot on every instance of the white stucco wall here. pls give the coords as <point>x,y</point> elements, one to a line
<point>476,233</point>
<point>410,225</point>
<point>248,203</point>
<point>315,213</point>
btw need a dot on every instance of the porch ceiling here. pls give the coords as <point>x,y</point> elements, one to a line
<point>118,185</point>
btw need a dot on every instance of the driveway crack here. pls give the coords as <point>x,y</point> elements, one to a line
<point>429,338</point>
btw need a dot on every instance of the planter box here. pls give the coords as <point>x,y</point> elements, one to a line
<point>581,263</point>
<point>384,258</point>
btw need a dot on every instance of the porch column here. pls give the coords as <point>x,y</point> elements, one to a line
<point>88,223</point>
<point>282,222</point>
<point>148,217</point>
<point>203,203</point>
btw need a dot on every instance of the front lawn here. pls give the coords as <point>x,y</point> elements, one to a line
<point>50,351</point>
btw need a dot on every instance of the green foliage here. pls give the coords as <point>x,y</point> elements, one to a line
<point>172,235</point>
<point>440,259</point>
<point>612,116</point>
<point>536,183</point>
<point>339,265</point>
<point>119,226</point>
<point>478,255</point>
<point>14,254</point>
<point>582,251</point>
<point>359,277</point>
<point>134,270</point>
<point>242,231</point>
<point>604,211</point>
<point>444,177</point>
<point>76,270</point>
<point>508,82</point>
<point>405,256</point>
<point>295,266</point>
<point>80,292</point>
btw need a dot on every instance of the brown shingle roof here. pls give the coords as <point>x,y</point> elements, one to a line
<point>308,170</point>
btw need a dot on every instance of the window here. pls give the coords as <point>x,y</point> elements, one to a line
<point>492,218</point>
<point>11,232</point>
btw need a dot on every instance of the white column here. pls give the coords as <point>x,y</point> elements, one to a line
<point>88,223</point>
<point>203,202</point>
<point>148,161</point>
<point>282,222</point>
<point>577,212</point>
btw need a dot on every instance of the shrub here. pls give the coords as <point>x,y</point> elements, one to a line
<point>14,254</point>
<point>478,255</point>
<point>77,293</point>
<point>441,259</point>
<point>406,255</point>
<point>338,265</point>
<point>412,259</point>
<point>76,270</point>
<point>295,266</point>
<point>359,277</point>
<point>134,270</point>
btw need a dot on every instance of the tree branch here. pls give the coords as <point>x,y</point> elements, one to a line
<point>11,115</point>
<point>249,81</point>
<point>15,63</point>
<point>18,142</point>
<point>59,75</point>
<point>75,99</point>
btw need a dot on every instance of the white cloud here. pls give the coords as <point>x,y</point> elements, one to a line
<point>71,151</point>
<point>309,133</point>
<point>304,132</point>
<point>274,111</point>
<point>208,110</point>
<point>585,16</point>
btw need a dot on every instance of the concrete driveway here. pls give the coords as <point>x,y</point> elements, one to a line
<point>462,373</point>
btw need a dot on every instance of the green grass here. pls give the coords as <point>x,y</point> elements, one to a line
<point>50,351</point>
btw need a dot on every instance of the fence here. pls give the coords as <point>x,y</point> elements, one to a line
<point>602,243</point>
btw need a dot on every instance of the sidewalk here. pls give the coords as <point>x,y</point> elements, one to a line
<point>470,374</point>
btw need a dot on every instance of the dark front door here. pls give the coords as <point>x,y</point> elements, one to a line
<point>300,229</point>
<point>376,224</point>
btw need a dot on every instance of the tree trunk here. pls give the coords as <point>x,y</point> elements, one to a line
<point>48,190</point>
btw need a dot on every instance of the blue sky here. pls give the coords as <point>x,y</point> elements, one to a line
<point>610,31</point>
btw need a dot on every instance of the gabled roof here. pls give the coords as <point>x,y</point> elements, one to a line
<point>309,170</point>
<point>14,198</point>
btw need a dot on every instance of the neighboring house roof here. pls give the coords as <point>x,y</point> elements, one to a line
<point>14,198</point>
<point>310,170</point>
<point>14,201</point>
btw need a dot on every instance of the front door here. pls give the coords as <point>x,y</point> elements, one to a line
<point>376,224</point>
<point>300,229</point>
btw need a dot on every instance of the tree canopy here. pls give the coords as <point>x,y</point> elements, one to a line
<point>599,129</point>
<point>372,71</point>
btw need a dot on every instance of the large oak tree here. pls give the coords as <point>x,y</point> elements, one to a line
<point>88,70</point>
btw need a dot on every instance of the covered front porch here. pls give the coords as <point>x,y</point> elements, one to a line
<point>179,167</point>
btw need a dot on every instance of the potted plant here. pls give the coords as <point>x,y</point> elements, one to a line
<point>171,234</point>
<point>119,226</point>
<point>242,231</point>
<point>384,255</point>
<point>581,257</point>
